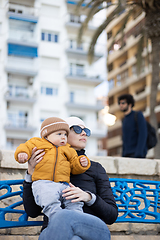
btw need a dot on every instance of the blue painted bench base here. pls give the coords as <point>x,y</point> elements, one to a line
<point>138,201</point>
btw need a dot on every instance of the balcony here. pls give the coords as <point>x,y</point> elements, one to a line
<point>130,80</point>
<point>22,36</point>
<point>113,108</point>
<point>17,123</point>
<point>99,131</point>
<point>22,66</point>
<point>130,42</point>
<point>20,95</point>
<point>131,61</point>
<point>76,1</point>
<point>80,76</point>
<point>81,52</point>
<point>22,13</point>
<point>96,107</point>
<point>130,25</point>
<point>74,22</point>
<point>143,94</point>
<point>17,48</point>
<point>114,142</point>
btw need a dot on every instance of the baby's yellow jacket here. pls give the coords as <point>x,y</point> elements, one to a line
<point>57,163</point>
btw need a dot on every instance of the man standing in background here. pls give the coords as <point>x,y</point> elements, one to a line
<point>134,129</point>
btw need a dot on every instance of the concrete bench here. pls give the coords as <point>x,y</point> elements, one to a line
<point>138,201</point>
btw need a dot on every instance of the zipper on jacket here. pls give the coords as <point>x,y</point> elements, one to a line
<point>56,157</point>
<point>55,162</point>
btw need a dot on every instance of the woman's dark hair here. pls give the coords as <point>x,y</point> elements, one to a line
<point>128,97</point>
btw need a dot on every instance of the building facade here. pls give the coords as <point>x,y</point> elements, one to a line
<point>123,77</point>
<point>43,72</point>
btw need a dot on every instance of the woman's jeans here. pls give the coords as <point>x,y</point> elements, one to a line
<point>74,225</point>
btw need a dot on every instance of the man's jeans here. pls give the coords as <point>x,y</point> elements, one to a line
<point>74,225</point>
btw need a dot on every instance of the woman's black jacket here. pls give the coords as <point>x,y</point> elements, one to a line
<point>94,180</point>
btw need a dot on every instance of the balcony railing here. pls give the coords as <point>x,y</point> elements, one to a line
<point>78,74</point>
<point>76,105</point>
<point>19,94</point>
<point>19,10</point>
<point>22,66</point>
<point>73,49</point>
<point>17,123</point>
<point>75,21</point>
<point>22,35</point>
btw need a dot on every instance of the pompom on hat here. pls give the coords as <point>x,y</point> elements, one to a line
<point>74,121</point>
<point>53,124</point>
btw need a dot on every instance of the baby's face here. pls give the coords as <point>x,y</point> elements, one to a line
<point>58,138</point>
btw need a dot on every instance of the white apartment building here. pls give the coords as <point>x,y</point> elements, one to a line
<point>43,72</point>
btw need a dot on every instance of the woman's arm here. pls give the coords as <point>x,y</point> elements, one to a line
<point>102,203</point>
<point>31,208</point>
<point>105,206</point>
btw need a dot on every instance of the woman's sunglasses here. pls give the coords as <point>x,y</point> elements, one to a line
<point>77,129</point>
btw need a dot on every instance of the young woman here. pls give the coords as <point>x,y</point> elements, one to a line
<point>91,187</point>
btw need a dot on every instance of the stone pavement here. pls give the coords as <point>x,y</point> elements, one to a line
<point>135,237</point>
<point>115,237</point>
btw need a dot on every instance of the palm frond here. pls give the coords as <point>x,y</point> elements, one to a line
<point>121,30</point>
<point>84,25</point>
<point>89,4</point>
<point>125,20</point>
<point>79,4</point>
<point>100,30</point>
<point>151,4</point>
<point>139,53</point>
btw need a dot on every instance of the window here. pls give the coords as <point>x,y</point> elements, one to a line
<point>110,67</point>
<point>109,34</point>
<point>73,45</point>
<point>72,97</point>
<point>79,69</point>
<point>18,91</point>
<point>12,10</point>
<point>15,10</point>
<point>74,18</point>
<point>18,119</point>
<point>49,91</point>
<point>76,69</point>
<point>43,36</point>
<point>42,119</point>
<point>49,37</point>
<point>12,143</point>
<point>111,84</point>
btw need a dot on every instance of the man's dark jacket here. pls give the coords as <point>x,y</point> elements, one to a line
<point>134,135</point>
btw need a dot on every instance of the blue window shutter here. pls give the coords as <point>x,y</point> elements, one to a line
<point>49,37</point>
<point>56,38</point>
<point>20,50</point>
<point>49,91</point>
<point>43,36</point>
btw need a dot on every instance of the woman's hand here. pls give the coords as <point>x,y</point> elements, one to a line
<point>37,156</point>
<point>76,194</point>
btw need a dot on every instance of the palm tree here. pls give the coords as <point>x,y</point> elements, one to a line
<point>150,30</point>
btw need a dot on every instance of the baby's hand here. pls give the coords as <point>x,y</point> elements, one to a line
<point>83,161</point>
<point>22,157</point>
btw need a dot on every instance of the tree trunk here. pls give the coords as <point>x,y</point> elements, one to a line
<point>155,81</point>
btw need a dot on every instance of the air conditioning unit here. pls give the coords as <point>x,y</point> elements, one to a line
<point>30,81</point>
